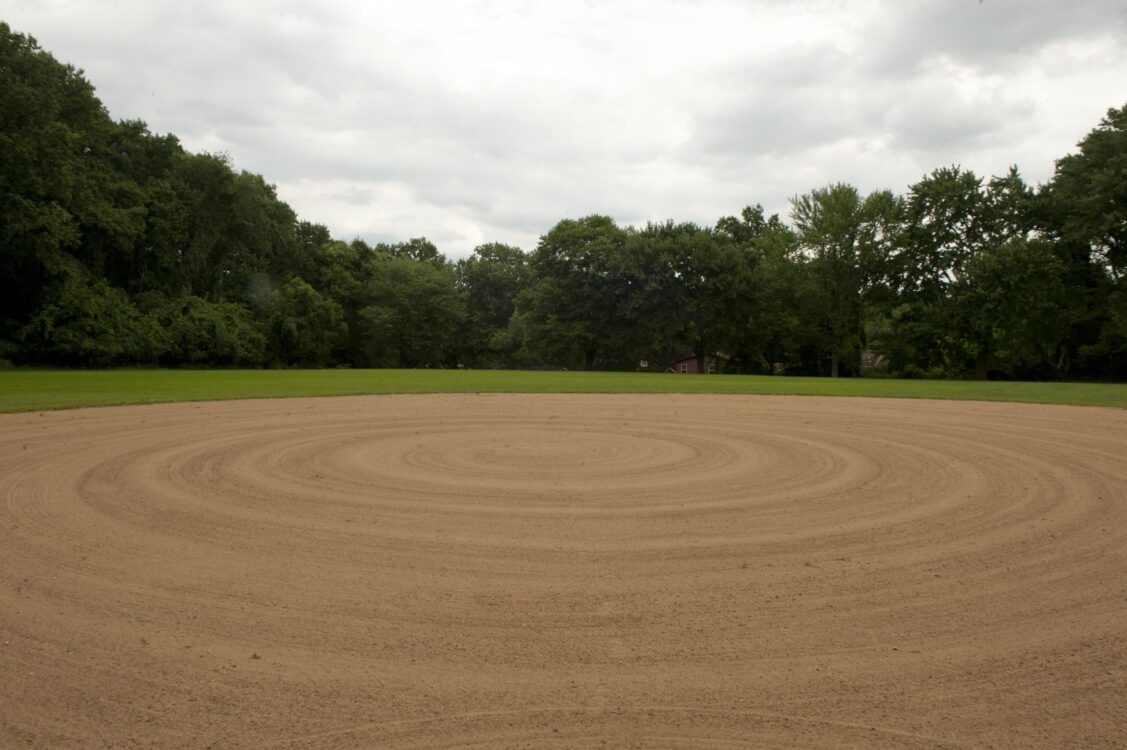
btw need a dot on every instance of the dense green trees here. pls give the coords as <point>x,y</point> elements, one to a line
<point>117,247</point>
<point>412,309</point>
<point>688,291</point>
<point>1084,211</point>
<point>975,287</point>
<point>491,279</point>
<point>573,311</point>
<point>201,333</point>
<point>85,321</point>
<point>846,240</point>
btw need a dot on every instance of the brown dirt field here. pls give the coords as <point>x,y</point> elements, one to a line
<point>564,571</point>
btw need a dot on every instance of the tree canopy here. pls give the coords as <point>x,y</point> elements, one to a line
<point>118,246</point>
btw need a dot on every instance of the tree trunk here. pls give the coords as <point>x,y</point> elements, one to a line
<point>982,364</point>
<point>835,369</point>
<point>702,362</point>
<point>589,359</point>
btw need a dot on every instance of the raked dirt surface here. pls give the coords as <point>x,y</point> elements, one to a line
<point>571,571</point>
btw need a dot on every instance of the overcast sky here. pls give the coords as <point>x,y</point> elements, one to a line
<point>472,122</point>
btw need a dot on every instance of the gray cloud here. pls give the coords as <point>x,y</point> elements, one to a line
<point>991,35</point>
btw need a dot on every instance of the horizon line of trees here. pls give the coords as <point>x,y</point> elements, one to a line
<point>119,247</point>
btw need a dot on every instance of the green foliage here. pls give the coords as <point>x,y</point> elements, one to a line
<point>1008,303</point>
<point>687,288</point>
<point>412,314</point>
<point>88,322</point>
<point>846,240</point>
<point>53,137</point>
<point>236,228</point>
<point>491,279</point>
<point>202,332</point>
<point>418,249</point>
<point>1084,210</point>
<point>779,323</point>
<point>1086,203</point>
<point>970,291</point>
<point>572,313</point>
<point>305,326</point>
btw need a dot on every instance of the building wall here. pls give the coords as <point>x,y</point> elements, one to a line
<point>689,366</point>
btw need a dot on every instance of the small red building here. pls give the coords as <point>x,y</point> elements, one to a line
<point>689,365</point>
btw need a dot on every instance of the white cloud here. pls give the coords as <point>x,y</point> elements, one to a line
<point>490,121</point>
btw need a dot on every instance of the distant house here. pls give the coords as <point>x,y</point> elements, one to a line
<point>688,365</point>
<point>873,361</point>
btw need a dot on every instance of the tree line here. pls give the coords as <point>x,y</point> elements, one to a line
<point>119,247</point>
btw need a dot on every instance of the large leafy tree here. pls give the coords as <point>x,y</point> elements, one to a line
<point>775,328</point>
<point>491,279</point>
<point>201,332</point>
<point>237,227</point>
<point>305,326</point>
<point>1086,202</point>
<point>59,190</point>
<point>85,321</point>
<point>338,270</point>
<point>412,310</point>
<point>1084,210</point>
<point>573,312</point>
<point>845,238</point>
<point>959,232</point>
<point>688,288</point>
<point>136,212</point>
<point>1008,304</point>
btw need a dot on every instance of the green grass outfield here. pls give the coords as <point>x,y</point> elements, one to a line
<point>36,390</point>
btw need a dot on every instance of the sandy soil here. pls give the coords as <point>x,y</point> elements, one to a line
<point>566,571</point>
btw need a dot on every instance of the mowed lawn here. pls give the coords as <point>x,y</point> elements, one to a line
<point>36,390</point>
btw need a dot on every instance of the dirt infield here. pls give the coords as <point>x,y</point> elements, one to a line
<point>563,570</point>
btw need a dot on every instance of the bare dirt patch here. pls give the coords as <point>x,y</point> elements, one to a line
<point>564,570</point>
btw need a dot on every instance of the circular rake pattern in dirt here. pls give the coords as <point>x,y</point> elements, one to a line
<point>567,570</point>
